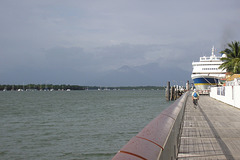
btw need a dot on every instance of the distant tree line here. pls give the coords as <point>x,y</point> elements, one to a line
<point>74,87</point>
<point>41,87</point>
<point>139,88</point>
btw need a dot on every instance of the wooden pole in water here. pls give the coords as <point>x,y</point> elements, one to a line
<point>172,97</point>
<point>168,91</point>
<point>188,87</point>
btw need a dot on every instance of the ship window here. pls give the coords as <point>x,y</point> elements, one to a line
<point>209,68</point>
<point>206,64</point>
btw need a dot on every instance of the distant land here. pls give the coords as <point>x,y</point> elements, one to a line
<point>51,87</point>
<point>152,74</point>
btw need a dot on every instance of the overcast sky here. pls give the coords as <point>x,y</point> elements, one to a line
<point>79,41</point>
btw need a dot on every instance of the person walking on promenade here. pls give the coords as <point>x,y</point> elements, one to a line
<point>195,97</point>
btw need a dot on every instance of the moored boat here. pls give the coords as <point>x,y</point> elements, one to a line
<point>206,72</point>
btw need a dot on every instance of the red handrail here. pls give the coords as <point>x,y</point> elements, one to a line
<point>150,142</point>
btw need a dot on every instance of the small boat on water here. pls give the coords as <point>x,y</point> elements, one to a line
<point>206,72</point>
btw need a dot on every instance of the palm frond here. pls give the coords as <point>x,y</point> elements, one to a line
<point>232,60</point>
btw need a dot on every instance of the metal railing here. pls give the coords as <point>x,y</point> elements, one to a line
<point>159,140</point>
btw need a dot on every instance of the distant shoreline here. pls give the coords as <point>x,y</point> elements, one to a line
<point>51,87</point>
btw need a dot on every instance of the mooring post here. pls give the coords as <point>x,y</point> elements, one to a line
<point>187,86</point>
<point>168,91</point>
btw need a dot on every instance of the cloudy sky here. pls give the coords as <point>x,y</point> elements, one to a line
<point>111,42</point>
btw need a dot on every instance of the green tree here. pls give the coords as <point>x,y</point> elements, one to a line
<point>231,62</point>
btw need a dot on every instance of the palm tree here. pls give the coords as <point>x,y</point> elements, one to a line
<point>231,62</point>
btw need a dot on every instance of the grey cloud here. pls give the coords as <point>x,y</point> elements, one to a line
<point>105,58</point>
<point>78,41</point>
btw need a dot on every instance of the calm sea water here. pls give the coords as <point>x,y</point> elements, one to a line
<point>83,125</point>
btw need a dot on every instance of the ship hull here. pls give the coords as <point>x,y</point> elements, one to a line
<point>204,83</point>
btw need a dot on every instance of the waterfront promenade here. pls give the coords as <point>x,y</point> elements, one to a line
<point>211,131</point>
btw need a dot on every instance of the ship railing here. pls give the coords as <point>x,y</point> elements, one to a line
<point>159,140</point>
<point>209,58</point>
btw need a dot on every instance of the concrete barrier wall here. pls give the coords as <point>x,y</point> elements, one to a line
<point>160,138</point>
<point>227,94</point>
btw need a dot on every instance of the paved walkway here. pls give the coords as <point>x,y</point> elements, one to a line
<point>211,131</point>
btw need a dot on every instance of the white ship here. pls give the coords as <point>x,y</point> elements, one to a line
<point>206,73</point>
